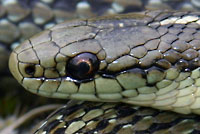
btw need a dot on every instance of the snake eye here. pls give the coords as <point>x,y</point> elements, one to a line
<point>30,70</point>
<point>83,66</point>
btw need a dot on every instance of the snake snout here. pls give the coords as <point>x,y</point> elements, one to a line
<point>13,66</point>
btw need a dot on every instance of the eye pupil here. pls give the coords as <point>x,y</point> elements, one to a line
<point>83,66</point>
<point>30,70</point>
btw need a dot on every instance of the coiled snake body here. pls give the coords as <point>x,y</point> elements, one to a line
<point>148,59</point>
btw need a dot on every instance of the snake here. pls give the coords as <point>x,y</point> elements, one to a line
<point>146,59</point>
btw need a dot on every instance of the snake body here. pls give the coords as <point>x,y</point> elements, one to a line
<point>149,59</point>
<point>117,118</point>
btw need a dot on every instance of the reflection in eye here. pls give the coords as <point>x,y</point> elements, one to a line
<point>83,66</point>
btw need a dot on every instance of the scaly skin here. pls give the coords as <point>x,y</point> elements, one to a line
<point>147,59</point>
<point>186,124</point>
<point>114,118</point>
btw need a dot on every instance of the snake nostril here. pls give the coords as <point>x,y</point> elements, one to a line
<point>30,69</point>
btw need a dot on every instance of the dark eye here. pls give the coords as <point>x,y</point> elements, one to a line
<point>83,66</point>
<point>30,69</point>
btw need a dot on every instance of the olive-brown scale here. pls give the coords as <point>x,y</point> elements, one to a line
<point>92,117</point>
<point>149,59</point>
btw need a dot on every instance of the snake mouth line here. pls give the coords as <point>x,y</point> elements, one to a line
<point>67,78</point>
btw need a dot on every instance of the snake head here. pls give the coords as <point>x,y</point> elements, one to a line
<point>79,59</point>
<point>114,59</point>
<point>54,63</point>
